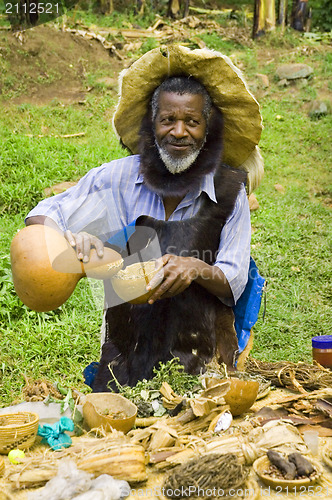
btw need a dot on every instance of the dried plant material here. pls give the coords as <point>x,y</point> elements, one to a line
<point>32,478</point>
<point>202,406</point>
<point>327,454</point>
<point>161,439</point>
<point>292,375</point>
<point>248,447</point>
<point>125,462</point>
<point>38,390</point>
<point>160,455</point>
<point>324,406</point>
<point>199,424</point>
<point>4,495</point>
<point>145,421</point>
<point>114,452</point>
<point>206,473</point>
<point>186,417</point>
<point>216,390</point>
<point>170,398</point>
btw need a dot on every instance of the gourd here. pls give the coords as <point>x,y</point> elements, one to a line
<point>46,270</point>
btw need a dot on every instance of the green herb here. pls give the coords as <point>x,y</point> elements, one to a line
<point>171,372</point>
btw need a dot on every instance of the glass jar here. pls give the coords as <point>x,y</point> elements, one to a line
<point>322,350</point>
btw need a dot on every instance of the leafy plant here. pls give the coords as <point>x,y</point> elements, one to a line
<point>171,372</point>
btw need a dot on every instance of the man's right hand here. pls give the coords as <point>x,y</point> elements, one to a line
<point>83,242</point>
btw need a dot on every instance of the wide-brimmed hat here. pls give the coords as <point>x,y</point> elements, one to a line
<point>226,86</point>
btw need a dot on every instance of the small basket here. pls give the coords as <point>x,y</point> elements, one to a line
<point>17,430</point>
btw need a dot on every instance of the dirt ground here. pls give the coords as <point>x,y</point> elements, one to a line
<point>44,64</point>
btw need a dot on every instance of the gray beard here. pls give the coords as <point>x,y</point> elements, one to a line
<point>177,165</point>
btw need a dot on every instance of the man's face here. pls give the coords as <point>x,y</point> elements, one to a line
<point>180,129</point>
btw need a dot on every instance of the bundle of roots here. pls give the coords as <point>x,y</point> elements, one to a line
<point>200,476</point>
<point>296,376</point>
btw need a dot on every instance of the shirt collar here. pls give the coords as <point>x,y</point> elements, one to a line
<point>206,185</point>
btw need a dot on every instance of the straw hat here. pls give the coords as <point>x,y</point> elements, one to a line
<point>223,81</point>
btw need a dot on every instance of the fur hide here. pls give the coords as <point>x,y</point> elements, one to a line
<point>190,325</point>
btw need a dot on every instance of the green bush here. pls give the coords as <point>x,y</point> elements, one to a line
<point>321,14</point>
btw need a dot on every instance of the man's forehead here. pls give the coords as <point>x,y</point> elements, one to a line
<point>192,102</point>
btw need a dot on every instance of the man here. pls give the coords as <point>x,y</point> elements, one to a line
<point>182,133</point>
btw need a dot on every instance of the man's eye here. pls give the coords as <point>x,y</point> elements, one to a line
<point>193,123</point>
<point>167,120</point>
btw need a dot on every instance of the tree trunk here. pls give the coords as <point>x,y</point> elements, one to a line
<point>173,8</point>
<point>282,18</point>
<point>264,17</point>
<point>299,14</point>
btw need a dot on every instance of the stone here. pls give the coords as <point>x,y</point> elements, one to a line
<point>302,82</point>
<point>318,109</point>
<point>253,202</point>
<point>294,71</point>
<point>264,80</point>
<point>280,188</point>
<point>283,83</point>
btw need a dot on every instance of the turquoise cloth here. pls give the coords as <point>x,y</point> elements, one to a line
<point>54,434</point>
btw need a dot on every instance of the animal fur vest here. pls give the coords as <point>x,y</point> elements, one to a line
<point>194,326</point>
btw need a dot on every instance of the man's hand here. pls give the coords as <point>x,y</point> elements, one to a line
<point>83,242</point>
<point>177,272</point>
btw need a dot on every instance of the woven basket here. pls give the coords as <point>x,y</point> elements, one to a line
<point>2,466</point>
<point>17,430</point>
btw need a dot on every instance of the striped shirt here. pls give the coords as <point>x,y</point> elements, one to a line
<point>113,195</point>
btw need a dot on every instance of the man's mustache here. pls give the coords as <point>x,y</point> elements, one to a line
<point>180,142</point>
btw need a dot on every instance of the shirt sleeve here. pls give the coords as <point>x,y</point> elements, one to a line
<point>89,206</point>
<point>234,249</point>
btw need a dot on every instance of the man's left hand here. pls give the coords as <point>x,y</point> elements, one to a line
<point>177,272</point>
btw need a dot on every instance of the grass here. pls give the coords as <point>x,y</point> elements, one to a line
<point>291,235</point>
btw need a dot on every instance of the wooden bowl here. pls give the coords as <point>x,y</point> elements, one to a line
<point>110,411</point>
<point>241,395</point>
<point>130,283</point>
<point>262,464</point>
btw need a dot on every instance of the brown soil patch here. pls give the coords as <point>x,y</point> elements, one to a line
<point>43,64</point>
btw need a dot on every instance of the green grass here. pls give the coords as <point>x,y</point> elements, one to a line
<point>291,239</point>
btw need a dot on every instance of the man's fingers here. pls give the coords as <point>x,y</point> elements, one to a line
<point>157,278</point>
<point>79,246</point>
<point>70,238</point>
<point>83,242</point>
<point>99,246</point>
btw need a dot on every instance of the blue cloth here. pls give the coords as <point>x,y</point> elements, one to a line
<point>54,434</point>
<point>110,197</point>
<point>247,307</point>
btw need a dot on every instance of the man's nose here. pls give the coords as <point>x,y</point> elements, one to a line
<point>179,130</point>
